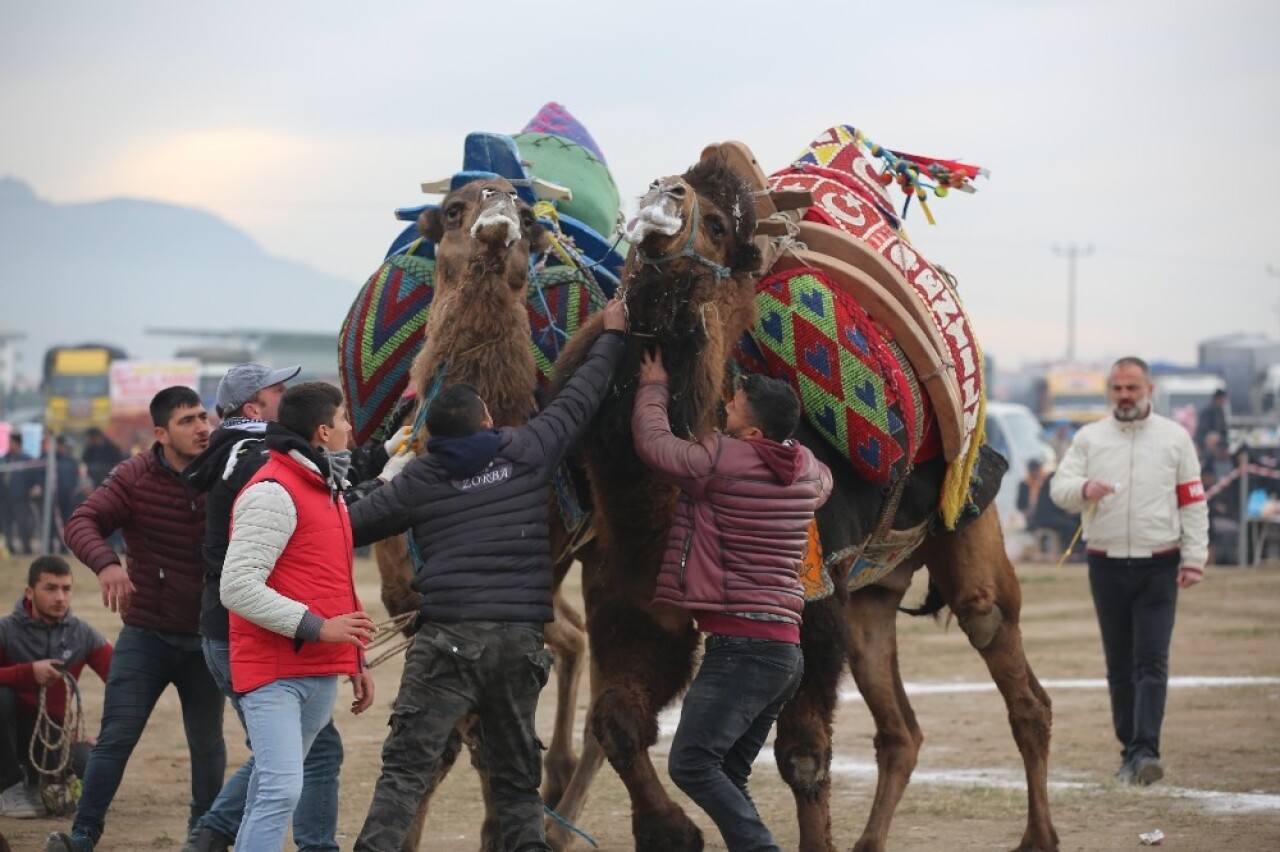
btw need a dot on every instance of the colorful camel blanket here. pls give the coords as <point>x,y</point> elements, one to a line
<point>385,329</point>
<point>849,194</point>
<point>856,388</point>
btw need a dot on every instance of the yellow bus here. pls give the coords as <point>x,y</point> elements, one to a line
<point>77,387</point>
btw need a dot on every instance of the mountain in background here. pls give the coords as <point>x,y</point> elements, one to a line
<point>106,270</point>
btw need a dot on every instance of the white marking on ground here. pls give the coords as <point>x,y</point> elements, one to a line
<point>962,687</point>
<point>1015,779</point>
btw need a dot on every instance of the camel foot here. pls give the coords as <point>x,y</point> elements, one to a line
<point>982,629</point>
<point>555,780</point>
<point>1028,844</point>
<point>669,831</point>
<point>868,844</point>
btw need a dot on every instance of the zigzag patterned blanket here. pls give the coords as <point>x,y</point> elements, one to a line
<point>856,388</point>
<point>384,330</point>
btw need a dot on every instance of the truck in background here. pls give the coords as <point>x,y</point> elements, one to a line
<point>76,387</point>
<point>1070,393</point>
<point>1176,394</point>
<point>1245,362</point>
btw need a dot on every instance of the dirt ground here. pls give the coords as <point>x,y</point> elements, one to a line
<point>1221,741</point>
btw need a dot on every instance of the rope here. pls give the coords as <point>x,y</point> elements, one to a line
<point>571,827</point>
<point>1088,513</point>
<point>58,792</point>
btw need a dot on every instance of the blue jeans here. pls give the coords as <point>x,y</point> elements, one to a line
<point>315,821</point>
<point>725,719</point>
<point>144,663</point>
<point>1136,600</point>
<point>283,718</point>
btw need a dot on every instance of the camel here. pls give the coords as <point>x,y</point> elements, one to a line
<point>478,333</point>
<point>689,286</point>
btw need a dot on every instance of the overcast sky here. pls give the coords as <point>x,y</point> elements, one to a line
<point>1146,130</point>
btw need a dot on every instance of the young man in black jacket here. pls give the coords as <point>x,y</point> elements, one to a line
<point>477,506</point>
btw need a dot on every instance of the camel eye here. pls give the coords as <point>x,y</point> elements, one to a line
<point>716,226</point>
<point>453,212</point>
<point>488,193</point>
<point>653,185</point>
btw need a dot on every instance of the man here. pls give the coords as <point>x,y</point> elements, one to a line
<point>1136,478</point>
<point>158,598</point>
<point>1213,419</point>
<point>66,490</point>
<point>99,456</point>
<point>296,624</point>
<point>747,499</point>
<point>17,478</point>
<point>39,641</point>
<point>248,400</point>
<point>477,506</point>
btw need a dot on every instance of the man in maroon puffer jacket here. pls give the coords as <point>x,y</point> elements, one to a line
<point>747,498</point>
<point>158,598</point>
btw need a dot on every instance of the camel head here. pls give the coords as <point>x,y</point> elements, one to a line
<point>483,228</point>
<point>691,246</point>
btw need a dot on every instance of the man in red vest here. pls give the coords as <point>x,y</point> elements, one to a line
<point>296,624</point>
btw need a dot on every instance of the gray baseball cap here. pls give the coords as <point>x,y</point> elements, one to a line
<point>243,381</point>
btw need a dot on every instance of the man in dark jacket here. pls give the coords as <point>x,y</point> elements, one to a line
<point>39,642</point>
<point>477,506</point>
<point>17,479</point>
<point>99,456</point>
<point>747,499</point>
<point>158,599</point>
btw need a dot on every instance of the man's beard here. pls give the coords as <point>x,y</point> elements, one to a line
<point>1137,411</point>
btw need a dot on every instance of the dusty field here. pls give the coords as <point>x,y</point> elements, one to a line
<point>1222,748</point>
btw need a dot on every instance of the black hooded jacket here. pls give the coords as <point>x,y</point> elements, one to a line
<point>478,506</point>
<point>236,451</point>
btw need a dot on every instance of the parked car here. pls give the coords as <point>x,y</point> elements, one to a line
<point>1015,433</point>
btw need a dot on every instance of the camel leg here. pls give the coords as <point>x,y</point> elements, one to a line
<point>645,665</point>
<point>574,797</point>
<point>802,743</point>
<point>980,585</point>
<point>871,616</point>
<point>567,639</point>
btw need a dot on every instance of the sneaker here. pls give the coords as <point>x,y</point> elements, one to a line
<point>1147,771</point>
<point>207,840</point>
<point>60,841</point>
<point>21,801</point>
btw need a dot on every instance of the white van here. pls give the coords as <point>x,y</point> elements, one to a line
<point>1015,433</point>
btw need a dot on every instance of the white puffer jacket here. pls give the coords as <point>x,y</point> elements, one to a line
<point>1160,502</point>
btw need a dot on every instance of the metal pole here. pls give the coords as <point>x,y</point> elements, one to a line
<point>1072,253</point>
<point>1242,540</point>
<point>50,486</point>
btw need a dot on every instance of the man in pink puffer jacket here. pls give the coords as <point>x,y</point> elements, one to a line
<point>747,498</point>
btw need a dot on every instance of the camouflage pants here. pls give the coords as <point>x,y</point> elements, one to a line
<point>494,668</point>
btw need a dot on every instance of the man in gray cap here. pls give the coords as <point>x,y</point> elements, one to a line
<point>252,392</point>
<point>248,398</point>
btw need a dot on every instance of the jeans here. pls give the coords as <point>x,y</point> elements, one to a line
<point>144,663</point>
<point>739,690</point>
<point>315,820</point>
<point>17,724</point>
<point>1135,600</point>
<point>283,718</point>
<point>493,667</point>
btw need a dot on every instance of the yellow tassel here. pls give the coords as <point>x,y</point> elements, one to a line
<point>928,214</point>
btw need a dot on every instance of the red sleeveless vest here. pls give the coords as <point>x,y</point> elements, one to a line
<point>314,568</point>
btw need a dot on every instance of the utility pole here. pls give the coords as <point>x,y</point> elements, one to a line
<point>1072,252</point>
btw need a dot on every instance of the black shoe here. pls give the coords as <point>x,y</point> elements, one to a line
<point>207,840</point>
<point>1147,771</point>
<point>60,841</point>
<point>1124,775</point>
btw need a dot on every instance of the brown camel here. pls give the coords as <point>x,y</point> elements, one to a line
<point>689,287</point>
<point>478,333</point>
